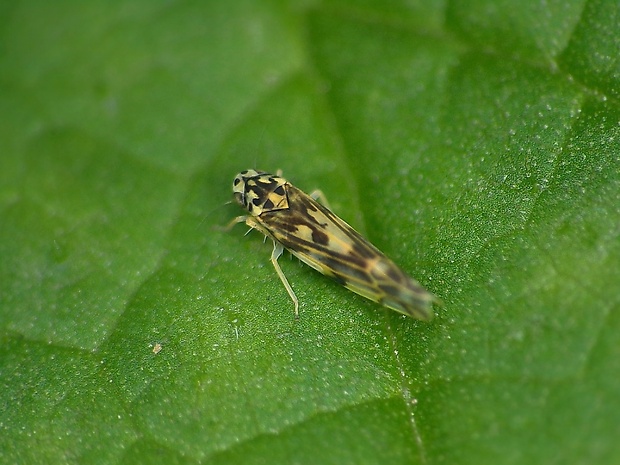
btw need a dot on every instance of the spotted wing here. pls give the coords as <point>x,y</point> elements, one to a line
<point>325,242</point>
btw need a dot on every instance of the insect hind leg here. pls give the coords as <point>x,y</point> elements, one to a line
<point>317,194</point>
<point>275,254</point>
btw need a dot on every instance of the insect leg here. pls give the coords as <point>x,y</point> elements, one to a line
<point>277,251</point>
<point>234,221</point>
<point>251,222</point>
<point>318,195</point>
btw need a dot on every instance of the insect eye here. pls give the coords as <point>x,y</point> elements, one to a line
<point>236,181</point>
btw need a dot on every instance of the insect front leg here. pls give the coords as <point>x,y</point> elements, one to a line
<point>275,254</point>
<point>234,221</point>
<point>251,222</point>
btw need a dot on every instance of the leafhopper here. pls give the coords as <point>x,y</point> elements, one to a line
<point>295,221</point>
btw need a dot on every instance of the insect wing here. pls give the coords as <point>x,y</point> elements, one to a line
<point>328,244</point>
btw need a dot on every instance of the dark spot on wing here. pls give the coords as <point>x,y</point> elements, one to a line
<point>385,269</point>
<point>342,269</point>
<point>339,279</point>
<point>356,260</point>
<point>363,251</point>
<point>390,290</point>
<point>287,226</point>
<point>395,274</point>
<point>319,237</point>
<point>279,190</point>
<point>268,205</point>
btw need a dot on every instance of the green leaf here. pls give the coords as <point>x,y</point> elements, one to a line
<point>475,143</point>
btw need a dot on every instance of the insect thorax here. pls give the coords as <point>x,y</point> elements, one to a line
<point>260,192</point>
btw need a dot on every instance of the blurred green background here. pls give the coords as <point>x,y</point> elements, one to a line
<point>475,142</point>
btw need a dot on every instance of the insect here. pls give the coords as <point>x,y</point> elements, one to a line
<point>310,231</point>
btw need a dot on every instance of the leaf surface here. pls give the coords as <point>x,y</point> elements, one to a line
<point>475,143</point>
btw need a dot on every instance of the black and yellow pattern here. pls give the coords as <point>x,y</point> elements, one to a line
<point>296,221</point>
